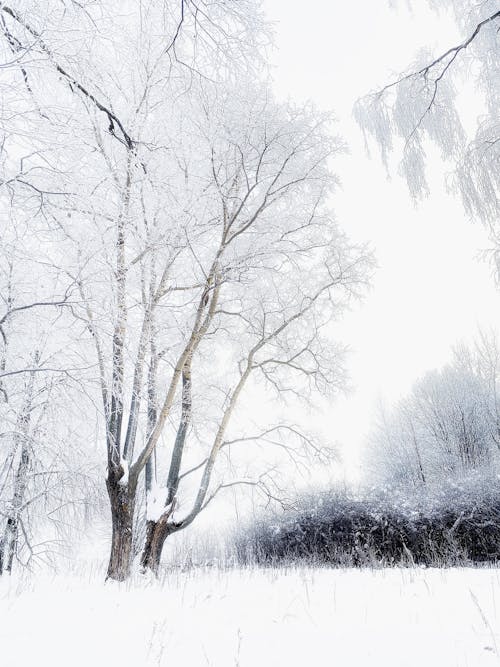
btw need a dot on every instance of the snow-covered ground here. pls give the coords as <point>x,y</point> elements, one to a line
<point>255,618</point>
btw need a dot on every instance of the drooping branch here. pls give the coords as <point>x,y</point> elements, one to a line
<point>448,58</point>
<point>442,63</point>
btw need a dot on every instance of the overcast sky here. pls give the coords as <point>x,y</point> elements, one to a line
<point>430,289</point>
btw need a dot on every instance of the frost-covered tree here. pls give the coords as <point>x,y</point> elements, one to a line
<point>189,211</point>
<point>42,474</point>
<point>273,269</point>
<point>431,102</point>
<point>77,131</point>
<point>447,426</point>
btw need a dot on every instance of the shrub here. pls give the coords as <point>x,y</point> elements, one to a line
<point>455,523</point>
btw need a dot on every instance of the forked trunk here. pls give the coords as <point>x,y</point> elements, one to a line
<point>156,534</point>
<point>122,500</point>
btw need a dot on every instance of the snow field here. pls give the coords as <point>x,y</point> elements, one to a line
<point>249,618</point>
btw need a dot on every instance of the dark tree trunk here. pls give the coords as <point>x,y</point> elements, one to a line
<point>122,499</point>
<point>8,543</point>
<point>13,533</point>
<point>156,534</point>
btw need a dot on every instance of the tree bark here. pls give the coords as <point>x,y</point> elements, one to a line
<point>156,534</point>
<point>122,500</point>
<point>9,541</point>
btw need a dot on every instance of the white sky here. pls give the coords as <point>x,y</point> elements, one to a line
<point>430,290</point>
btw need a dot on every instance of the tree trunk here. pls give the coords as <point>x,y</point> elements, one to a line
<point>8,543</point>
<point>122,499</point>
<point>156,534</point>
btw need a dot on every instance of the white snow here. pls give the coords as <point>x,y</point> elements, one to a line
<point>389,618</point>
<point>123,481</point>
<point>156,503</point>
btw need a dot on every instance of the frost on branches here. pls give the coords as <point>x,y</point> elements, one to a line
<point>430,103</point>
<point>183,216</point>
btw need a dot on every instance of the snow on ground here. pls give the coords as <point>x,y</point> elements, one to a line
<point>255,618</point>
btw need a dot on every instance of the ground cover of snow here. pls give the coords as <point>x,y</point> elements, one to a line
<point>254,618</point>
